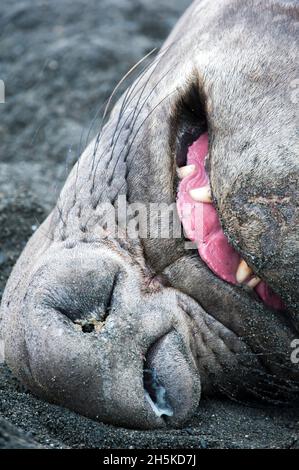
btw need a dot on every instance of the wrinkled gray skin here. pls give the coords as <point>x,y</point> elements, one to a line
<point>152,298</point>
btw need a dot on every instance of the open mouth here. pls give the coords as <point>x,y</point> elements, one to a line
<point>202,225</point>
<point>154,391</point>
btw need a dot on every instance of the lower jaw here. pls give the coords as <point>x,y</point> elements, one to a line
<point>202,226</point>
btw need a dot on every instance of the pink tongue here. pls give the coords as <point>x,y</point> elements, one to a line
<point>202,226</point>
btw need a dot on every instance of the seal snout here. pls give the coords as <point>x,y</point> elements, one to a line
<point>97,344</point>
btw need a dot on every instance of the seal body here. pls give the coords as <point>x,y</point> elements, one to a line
<point>106,315</point>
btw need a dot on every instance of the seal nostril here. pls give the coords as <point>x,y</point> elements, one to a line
<point>88,328</point>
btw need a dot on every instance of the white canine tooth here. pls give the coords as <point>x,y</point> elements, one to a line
<point>201,194</point>
<point>243,271</point>
<point>185,171</point>
<point>253,282</point>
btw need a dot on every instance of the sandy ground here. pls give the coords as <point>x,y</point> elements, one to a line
<point>60,60</point>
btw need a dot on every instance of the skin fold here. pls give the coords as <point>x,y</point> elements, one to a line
<point>152,303</point>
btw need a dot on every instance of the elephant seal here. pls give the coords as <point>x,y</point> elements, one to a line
<point>133,329</point>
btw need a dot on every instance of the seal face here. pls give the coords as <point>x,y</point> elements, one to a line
<point>107,315</point>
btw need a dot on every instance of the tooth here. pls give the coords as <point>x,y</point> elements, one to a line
<point>253,282</point>
<point>243,271</point>
<point>201,194</point>
<point>185,171</point>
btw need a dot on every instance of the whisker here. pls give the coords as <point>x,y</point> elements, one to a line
<point>124,78</point>
<point>135,135</point>
<point>105,106</point>
<point>146,118</point>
